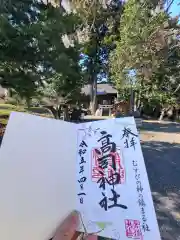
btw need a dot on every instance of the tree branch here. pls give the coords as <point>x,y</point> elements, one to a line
<point>53,111</point>
<point>169,5</point>
<point>178,87</point>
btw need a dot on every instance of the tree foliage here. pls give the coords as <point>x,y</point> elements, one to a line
<point>102,32</point>
<point>149,47</point>
<point>134,43</point>
<point>32,50</point>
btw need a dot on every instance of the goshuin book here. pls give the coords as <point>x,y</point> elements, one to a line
<point>49,168</point>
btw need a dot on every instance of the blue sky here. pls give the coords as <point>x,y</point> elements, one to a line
<point>175,9</point>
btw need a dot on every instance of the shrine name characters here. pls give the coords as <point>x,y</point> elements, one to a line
<point>82,150</point>
<point>141,201</point>
<point>107,151</point>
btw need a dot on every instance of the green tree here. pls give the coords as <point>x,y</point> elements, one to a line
<point>101,31</point>
<point>33,50</point>
<point>60,91</point>
<point>148,42</point>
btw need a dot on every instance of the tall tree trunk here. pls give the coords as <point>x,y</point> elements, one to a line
<point>28,102</point>
<point>162,114</point>
<point>94,72</point>
<point>93,82</point>
<point>138,100</point>
<point>66,114</point>
<point>59,111</point>
<point>53,111</point>
<point>131,101</point>
<point>93,104</point>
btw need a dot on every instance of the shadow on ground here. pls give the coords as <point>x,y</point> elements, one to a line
<point>166,127</point>
<point>163,166</point>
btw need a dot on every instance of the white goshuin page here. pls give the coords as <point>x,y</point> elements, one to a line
<point>37,176</point>
<point>113,193</point>
<point>49,168</point>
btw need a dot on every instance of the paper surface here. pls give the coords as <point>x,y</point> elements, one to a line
<point>113,193</point>
<point>37,176</point>
<point>49,168</point>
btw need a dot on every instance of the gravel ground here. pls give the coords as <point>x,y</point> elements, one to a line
<point>161,148</point>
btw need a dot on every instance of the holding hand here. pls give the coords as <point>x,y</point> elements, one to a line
<point>67,229</point>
